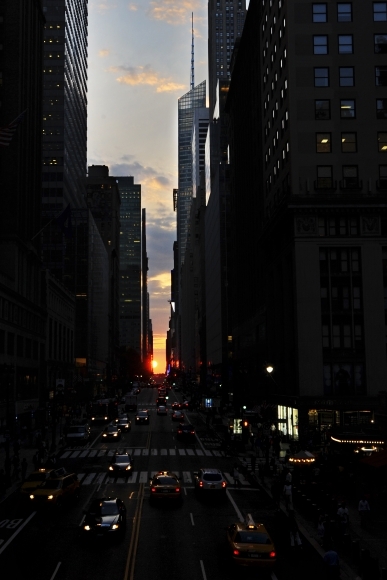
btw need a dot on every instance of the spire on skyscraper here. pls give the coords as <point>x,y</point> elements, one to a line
<point>192,58</point>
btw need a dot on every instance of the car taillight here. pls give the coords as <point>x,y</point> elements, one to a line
<point>272,555</point>
<point>224,484</point>
<point>179,431</point>
<point>177,490</point>
<point>236,552</point>
<point>200,484</point>
<point>153,489</point>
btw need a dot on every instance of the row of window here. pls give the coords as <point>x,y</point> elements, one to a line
<point>350,177</point>
<point>322,76</point>
<point>345,44</point>
<point>344,12</point>
<point>24,347</point>
<point>348,142</point>
<point>322,109</point>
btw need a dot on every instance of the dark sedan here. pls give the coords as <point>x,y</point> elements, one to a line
<point>106,517</point>
<point>124,424</point>
<point>177,416</point>
<point>142,417</point>
<point>186,432</point>
<point>121,463</point>
<point>111,432</point>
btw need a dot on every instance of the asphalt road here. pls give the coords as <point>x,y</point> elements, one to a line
<point>162,541</point>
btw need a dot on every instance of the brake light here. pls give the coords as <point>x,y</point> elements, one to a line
<point>224,484</point>
<point>153,489</point>
<point>177,490</point>
<point>272,555</point>
<point>236,552</point>
<point>200,484</point>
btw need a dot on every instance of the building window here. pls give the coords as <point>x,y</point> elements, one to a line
<point>347,109</point>
<point>381,76</point>
<point>348,142</point>
<point>321,77</point>
<point>382,142</point>
<point>323,142</point>
<point>322,109</point>
<point>347,76</point>
<point>381,108</point>
<point>319,12</point>
<point>344,12</point>
<point>324,177</point>
<point>345,44</point>
<point>320,44</point>
<point>380,42</point>
<point>380,11</point>
<point>382,176</point>
<point>350,176</point>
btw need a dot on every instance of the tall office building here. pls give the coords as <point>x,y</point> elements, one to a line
<point>147,339</point>
<point>225,25</point>
<point>187,104</point>
<point>64,104</point>
<point>130,264</point>
<point>22,317</point>
<point>308,146</point>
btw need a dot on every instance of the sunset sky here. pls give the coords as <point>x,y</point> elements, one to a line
<point>139,65</point>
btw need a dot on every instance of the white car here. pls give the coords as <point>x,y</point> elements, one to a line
<point>162,410</point>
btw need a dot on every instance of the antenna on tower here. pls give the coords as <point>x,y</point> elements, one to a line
<point>192,58</point>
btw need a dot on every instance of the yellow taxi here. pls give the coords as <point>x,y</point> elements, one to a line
<point>36,478</point>
<point>165,485</point>
<point>250,544</point>
<point>56,490</point>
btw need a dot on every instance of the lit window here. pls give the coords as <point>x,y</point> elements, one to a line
<point>345,42</point>
<point>319,12</point>
<point>348,143</point>
<point>380,42</point>
<point>382,142</point>
<point>323,142</point>
<point>380,11</point>
<point>322,109</point>
<point>347,76</point>
<point>344,12</point>
<point>320,44</point>
<point>347,109</point>
<point>321,77</point>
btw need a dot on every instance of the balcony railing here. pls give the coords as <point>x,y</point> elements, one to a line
<point>325,184</point>
<point>351,183</point>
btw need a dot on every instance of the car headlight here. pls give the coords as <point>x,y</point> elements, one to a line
<point>104,435</point>
<point>128,467</point>
<point>32,496</point>
<point>50,497</point>
<point>115,526</point>
<point>86,528</point>
<point>115,434</point>
<point>110,467</point>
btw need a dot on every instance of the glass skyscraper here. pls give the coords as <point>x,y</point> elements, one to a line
<point>64,104</point>
<point>194,99</point>
<point>130,263</point>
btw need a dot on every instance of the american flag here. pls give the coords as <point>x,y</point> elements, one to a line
<point>6,133</point>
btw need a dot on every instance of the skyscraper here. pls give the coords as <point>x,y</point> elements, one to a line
<point>225,24</point>
<point>194,99</point>
<point>130,264</point>
<point>64,103</point>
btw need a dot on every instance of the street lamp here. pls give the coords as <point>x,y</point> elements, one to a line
<point>269,369</point>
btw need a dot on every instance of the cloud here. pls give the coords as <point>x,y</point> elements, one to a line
<point>133,7</point>
<point>104,52</point>
<point>145,75</point>
<point>174,11</point>
<point>104,6</point>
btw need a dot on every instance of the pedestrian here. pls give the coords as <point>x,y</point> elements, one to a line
<point>295,539</point>
<point>343,517</point>
<point>253,460</point>
<point>364,511</point>
<point>36,461</point>
<point>331,563</point>
<point>321,528</point>
<point>287,491</point>
<point>24,468</point>
<point>288,477</point>
<point>236,475</point>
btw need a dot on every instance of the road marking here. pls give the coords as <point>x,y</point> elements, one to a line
<point>181,451</point>
<point>137,452</point>
<point>88,479</point>
<point>163,452</point>
<point>238,512</point>
<point>102,452</point>
<point>131,559</point>
<point>93,453</point>
<point>172,452</point>
<point>84,453</point>
<point>145,451</point>
<point>153,451</point>
<point>187,477</point>
<point>190,452</point>
<point>55,571</point>
<point>192,520</point>
<point>65,455</point>
<point>206,452</point>
<point>203,570</point>
<point>75,454</point>
<point>199,452</point>
<point>143,477</point>
<point>16,533</point>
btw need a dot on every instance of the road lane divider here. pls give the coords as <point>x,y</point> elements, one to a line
<point>19,529</point>
<point>131,558</point>
<point>56,571</point>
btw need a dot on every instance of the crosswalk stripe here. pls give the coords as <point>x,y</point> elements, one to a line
<point>229,478</point>
<point>137,452</point>
<point>75,454</point>
<point>84,453</point>
<point>163,452</point>
<point>190,452</point>
<point>207,452</point>
<point>153,451</point>
<point>199,452</point>
<point>102,452</point>
<point>88,479</point>
<point>93,453</point>
<point>187,477</point>
<point>172,452</point>
<point>100,478</point>
<point>217,453</point>
<point>65,455</point>
<point>143,477</point>
<point>111,452</point>
<point>181,451</point>
<point>145,451</point>
<point>81,476</point>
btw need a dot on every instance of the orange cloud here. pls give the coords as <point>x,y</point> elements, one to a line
<point>174,11</point>
<point>104,52</point>
<point>145,75</point>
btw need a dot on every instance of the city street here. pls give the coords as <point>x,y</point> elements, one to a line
<point>160,540</point>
